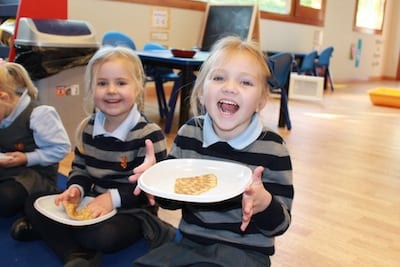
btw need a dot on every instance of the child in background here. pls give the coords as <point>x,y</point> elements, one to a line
<point>230,90</point>
<point>32,140</point>
<point>111,143</point>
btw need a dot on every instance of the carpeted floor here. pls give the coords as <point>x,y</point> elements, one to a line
<point>36,253</point>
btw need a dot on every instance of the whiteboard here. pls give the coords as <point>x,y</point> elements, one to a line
<point>225,20</point>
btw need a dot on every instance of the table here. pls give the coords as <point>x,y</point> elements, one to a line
<point>187,66</point>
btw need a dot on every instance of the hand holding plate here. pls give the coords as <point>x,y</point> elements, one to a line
<point>255,198</point>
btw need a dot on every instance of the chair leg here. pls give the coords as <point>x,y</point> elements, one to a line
<point>329,76</point>
<point>284,98</point>
<point>172,102</point>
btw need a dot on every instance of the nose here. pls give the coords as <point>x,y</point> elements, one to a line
<point>112,88</point>
<point>230,86</point>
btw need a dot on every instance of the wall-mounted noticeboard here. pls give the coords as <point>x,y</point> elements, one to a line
<point>223,20</point>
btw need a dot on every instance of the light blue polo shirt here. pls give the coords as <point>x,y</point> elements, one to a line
<point>121,133</point>
<point>241,141</point>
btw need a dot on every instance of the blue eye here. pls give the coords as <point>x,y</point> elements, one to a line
<point>247,83</point>
<point>217,78</point>
<point>101,83</point>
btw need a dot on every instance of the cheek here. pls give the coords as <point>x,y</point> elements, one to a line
<point>97,96</point>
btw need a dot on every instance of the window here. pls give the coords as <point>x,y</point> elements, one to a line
<point>310,12</point>
<point>369,16</point>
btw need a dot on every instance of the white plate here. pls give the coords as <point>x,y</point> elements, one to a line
<point>4,157</point>
<point>159,180</point>
<point>46,206</point>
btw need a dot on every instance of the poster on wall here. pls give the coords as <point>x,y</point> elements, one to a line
<point>160,24</point>
<point>358,53</point>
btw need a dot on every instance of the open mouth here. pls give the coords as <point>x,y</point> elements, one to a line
<point>112,101</point>
<point>228,107</point>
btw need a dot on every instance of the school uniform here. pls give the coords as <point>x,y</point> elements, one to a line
<point>37,131</point>
<point>211,232</point>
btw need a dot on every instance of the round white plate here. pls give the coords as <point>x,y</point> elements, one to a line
<point>159,180</point>
<point>46,206</point>
<point>4,157</point>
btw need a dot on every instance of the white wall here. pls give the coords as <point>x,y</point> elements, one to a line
<point>379,53</point>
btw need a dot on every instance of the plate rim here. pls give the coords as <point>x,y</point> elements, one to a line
<point>4,157</point>
<point>194,198</point>
<point>69,221</point>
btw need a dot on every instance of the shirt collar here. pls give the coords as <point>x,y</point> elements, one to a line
<point>244,139</point>
<point>122,131</point>
<point>23,102</point>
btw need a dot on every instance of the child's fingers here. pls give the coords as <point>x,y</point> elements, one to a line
<point>149,150</point>
<point>149,160</point>
<point>137,191</point>
<point>257,174</point>
<point>247,200</point>
<point>247,212</point>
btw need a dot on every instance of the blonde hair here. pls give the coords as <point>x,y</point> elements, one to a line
<point>103,55</point>
<point>14,79</point>
<point>222,50</point>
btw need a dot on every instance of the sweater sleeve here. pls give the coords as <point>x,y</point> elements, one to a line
<point>50,136</point>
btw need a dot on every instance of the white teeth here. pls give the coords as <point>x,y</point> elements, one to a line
<point>227,102</point>
<point>228,107</point>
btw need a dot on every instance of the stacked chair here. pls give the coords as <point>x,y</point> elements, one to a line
<point>322,66</point>
<point>280,65</point>
<point>317,64</point>
<point>307,66</point>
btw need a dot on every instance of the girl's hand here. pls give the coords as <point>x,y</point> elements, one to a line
<point>101,205</point>
<point>255,198</point>
<point>149,160</point>
<point>17,159</point>
<point>71,194</point>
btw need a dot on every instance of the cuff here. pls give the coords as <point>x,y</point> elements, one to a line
<point>115,198</point>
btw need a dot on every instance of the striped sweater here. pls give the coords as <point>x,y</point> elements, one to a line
<point>220,222</point>
<point>108,162</point>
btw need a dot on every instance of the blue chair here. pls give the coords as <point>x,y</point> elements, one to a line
<point>280,65</point>
<point>307,66</point>
<point>322,65</point>
<point>116,38</point>
<point>160,76</point>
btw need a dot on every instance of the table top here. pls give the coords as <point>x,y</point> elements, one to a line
<point>165,58</point>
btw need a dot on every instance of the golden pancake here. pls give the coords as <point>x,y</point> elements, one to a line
<point>72,211</point>
<point>195,185</point>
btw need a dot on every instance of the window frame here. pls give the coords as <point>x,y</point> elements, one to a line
<point>365,29</point>
<point>298,13</point>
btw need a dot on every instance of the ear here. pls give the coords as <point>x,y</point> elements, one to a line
<point>4,96</point>
<point>201,99</point>
<point>261,104</point>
